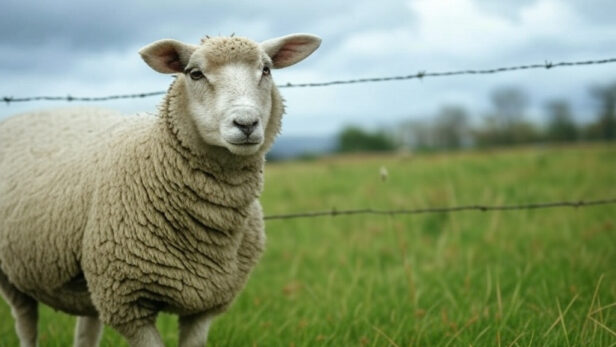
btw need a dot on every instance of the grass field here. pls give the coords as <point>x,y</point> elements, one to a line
<point>517,278</point>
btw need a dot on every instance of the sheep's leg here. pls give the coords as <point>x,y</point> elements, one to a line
<point>144,335</point>
<point>25,313</point>
<point>24,310</point>
<point>194,330</point>
<point>88,332</point>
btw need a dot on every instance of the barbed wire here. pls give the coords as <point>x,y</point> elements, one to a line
<point>9,99</point>
<point>419,75</point>
<point>423,74</point>
<point>481,208</point>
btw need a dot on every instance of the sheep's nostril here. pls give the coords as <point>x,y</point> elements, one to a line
<point>247,128</point>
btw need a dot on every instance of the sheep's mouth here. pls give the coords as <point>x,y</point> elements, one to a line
<point>244,147</point>
<point>246,143</point>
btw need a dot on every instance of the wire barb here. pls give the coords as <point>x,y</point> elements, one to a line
<point>419,76</point>
<point>482,208</point>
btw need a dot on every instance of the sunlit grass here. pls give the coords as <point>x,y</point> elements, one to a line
<point>542,278</point>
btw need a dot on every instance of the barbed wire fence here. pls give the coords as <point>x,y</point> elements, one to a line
<point>450,209</point>
<point>418,75</point>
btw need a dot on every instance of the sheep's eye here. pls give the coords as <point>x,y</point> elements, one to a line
<point>196,74</point>
<point>266,71</point>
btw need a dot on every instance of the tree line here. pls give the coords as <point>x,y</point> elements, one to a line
<point>506,124</point>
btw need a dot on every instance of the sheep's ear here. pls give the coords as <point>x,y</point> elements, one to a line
<point>290,49</point>
<point>167,56</point>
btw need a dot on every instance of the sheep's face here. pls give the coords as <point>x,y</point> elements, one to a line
<point>228,83</point>
<point>229,93</point>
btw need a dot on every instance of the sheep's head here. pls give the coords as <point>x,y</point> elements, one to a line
<point>231,95</point>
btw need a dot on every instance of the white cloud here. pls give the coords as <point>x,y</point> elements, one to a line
<point>463,29</point>
<point>458,28</point>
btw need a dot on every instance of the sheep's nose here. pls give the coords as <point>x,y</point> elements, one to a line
<point>246,126</point>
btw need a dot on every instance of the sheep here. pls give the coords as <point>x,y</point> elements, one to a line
<point>115,219</point>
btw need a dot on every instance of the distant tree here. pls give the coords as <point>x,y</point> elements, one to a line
<point>451,129</point>
<point>506,125</point>
<point>560,127</point>
<point>605,126</point>
<point>415,134</point>
<point>354,139</point>
<point>509,104</point>
<point>490,133</point>
<point>524,131</point>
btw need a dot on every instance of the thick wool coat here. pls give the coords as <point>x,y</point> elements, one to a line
<point>123,217</point>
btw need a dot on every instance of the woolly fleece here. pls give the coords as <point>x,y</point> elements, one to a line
<point>123,217</point>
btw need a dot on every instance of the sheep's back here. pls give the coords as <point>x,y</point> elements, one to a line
<point>49,162</point>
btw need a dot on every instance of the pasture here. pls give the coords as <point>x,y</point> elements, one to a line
<point>513,278</point>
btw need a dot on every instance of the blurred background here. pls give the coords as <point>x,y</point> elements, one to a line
<point>500,278</point>
<point>82,48</point>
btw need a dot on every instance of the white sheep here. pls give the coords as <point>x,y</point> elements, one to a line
<point>115,218</point>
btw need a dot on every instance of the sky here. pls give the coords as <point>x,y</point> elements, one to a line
<point>87,48</point>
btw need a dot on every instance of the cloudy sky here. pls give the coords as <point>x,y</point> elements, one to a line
<point>87,48</point>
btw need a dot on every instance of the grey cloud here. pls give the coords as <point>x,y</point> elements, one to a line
<point>96,25</point>
<point>42,36</point>
<point>114,24</point>
<point>47,37</point>
<point>89,25</point>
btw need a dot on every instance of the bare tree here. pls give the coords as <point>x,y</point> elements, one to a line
<point>451,129</point>
<point>509,104</point>
<point>506,124</point>
<point>605,126</point>
<point>561,126</point>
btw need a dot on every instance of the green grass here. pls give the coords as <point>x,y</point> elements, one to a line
<point>516,278</point>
